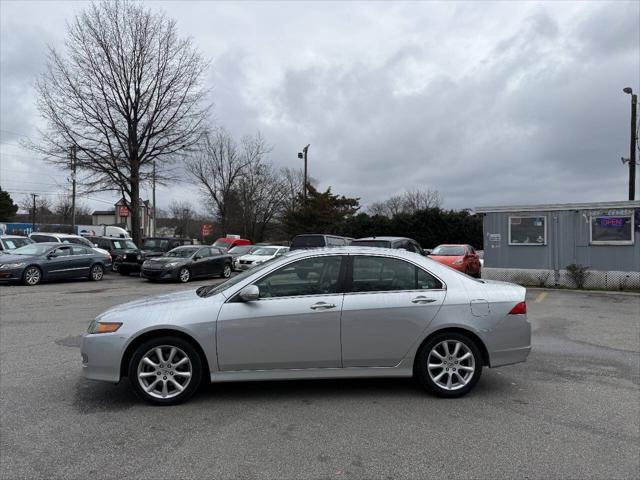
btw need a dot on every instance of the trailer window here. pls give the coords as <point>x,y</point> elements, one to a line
<point>612,230</point>
<point>527,230</point>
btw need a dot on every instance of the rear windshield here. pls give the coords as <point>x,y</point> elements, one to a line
<point>448,251</point>
<point>308,241</point>
<point>372,243</point>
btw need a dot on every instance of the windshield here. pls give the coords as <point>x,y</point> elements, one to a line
<point>265,252</point>
<point>122,244</point>
<point>371,243</point>
<point>11,243</point>
<point>215,289</point>
<point>308,241</point>
<point>155,244</point>
<point>221,244</point>
<point>240,250</point>
<point>448,251</point>
<point>32,249</point>
<point>182,252</point>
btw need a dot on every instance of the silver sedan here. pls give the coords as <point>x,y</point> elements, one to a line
<point>325,313</point>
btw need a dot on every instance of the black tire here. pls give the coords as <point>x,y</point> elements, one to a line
<point>114,267</point>
<point>165,343</point>
<point>96,273</point>
<point>226,271</point>
<point>31,276</point>
<point>184,275</point>
<point>449,369</point>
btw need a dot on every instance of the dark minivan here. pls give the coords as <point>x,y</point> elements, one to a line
<point>132,260</point>
<point>117,247</point>
<point>390,242</point>
<point>313,240</point>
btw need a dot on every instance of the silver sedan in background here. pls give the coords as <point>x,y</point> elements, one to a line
<point>323,313</point>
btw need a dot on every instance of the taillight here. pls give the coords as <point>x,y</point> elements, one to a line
<point>519,309</point>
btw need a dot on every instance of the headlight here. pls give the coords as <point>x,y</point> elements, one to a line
<point>12,265</point>
<point>171,264</point>
<point>139,257</point>
<point>103,327</point>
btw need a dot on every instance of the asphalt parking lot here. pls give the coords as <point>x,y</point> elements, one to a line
<point>571,411</point>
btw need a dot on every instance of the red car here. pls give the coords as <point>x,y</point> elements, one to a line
<point>230,242</point>
<point>460,257</point>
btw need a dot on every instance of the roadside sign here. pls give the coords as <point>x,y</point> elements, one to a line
<point>206,229</point>
<point>123,211</point>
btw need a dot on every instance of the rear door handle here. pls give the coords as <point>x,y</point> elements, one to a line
<point>423,300</point>
<point>322,306</point>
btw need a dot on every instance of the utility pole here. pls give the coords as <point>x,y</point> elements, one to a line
<point>33,218</point>
<point>73,187</point>
<point>153,199</point>
<point>632,147</point>
<point>303,154</point>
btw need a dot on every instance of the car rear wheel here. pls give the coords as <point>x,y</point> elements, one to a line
<point>32,276</point>
<point>165,370</point>
<point>184,275</point>
<point>96,273</point>
<point>449,365</point>
<point>226,271</point>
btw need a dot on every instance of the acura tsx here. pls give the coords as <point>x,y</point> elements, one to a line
<point>324,313</point>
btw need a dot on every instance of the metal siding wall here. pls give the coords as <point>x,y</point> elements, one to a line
<point>567,243</point>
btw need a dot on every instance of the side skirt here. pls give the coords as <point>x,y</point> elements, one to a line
<point>311,373</point>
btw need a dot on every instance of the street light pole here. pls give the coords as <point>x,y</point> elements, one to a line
<point>73,188</point>
<point>632,148</point>
<point>154,198</point>
<point>303,155</point>
<point>33,218</point>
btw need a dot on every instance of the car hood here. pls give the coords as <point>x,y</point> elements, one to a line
<point>10,258</point>
<point>164,260</point>
<point>149,306</point>
<point>253,258</point>
<point>446,259</point>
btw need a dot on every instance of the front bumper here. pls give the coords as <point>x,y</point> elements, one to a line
<point>159,274</point>
<point>11,274</point>
<point>124,266</point>
<point>101,356</point>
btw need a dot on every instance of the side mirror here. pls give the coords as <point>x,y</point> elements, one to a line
<point>95,244</point>
<point>197,257</point>
<point>250,293</point>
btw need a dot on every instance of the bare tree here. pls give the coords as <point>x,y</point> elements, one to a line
<point>127,93</point>
<point>294,182</point>
<point>409,202</point>
<point>63,207</point>
<point>182,212</point>
<point>44,205</point>
<point>219,164</point>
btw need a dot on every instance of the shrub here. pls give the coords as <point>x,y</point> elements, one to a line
<point>578,274</point>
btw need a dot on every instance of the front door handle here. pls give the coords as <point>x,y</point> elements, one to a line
<point>423,300</point>
<point>322,306</point>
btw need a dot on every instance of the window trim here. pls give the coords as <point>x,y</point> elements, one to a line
<point>611,242</point>
<point>536,244</point>
<point>349,279</point>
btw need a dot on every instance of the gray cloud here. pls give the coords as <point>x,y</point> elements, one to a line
<point>495,103</point>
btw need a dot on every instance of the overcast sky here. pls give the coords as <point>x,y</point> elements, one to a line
<point>491,103</point>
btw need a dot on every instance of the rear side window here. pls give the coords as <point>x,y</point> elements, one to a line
<point>382,274</point>
<point>78,250</point>
<point>336,242</point>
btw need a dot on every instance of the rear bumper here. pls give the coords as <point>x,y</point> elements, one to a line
<point>509,342</point>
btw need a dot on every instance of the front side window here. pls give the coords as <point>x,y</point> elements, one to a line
<point>383,274</point>
<point>608,229</point>
<point>204,253</point>
<point>311,276</point>
<point>527,230</point>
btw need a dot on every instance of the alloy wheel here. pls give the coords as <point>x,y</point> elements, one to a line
<point>451,364</point>
<point>97,272</point>
<point>226,272</point>
<point>164,371</point>
<point>184,275</point>
<point>32,276</point>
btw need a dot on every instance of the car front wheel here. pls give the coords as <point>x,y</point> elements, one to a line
<point>184,275</point>
<point>32,276</point>
<point>449,365</point>
<point>165,370</point>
